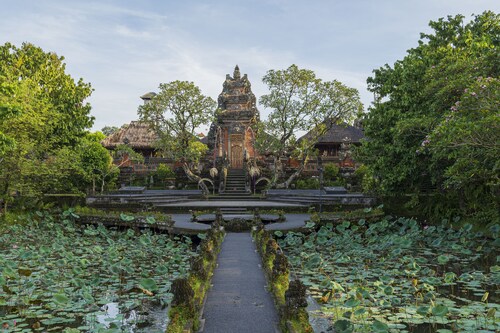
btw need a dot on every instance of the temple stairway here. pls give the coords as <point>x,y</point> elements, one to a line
<point>235,187</point>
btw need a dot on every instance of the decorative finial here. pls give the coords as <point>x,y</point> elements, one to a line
<point>236,73</point>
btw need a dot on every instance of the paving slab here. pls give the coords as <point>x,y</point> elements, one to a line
<point>238,301</point>
<point>183,222</point>
<point>292,222</point>
<point>239,204</point>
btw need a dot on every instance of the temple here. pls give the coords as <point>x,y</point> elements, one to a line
<point>232,135</point>
<point>231,138</point>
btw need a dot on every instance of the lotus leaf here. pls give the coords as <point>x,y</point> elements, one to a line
<point>61,299</point>
<point>343,326</point>
<point>439,310</point>
<point>149,284</point>
<point>379,327</point>
<point>352,303</point>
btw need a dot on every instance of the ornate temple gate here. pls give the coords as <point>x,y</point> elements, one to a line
<point>231,135</point>
<point>236,151</point>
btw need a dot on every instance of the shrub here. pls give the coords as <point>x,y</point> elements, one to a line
<point>331,172</point>
<point>164,172</point>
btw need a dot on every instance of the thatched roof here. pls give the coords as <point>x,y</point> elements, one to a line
<point>148,96</point>
<point>136,134</point>
<point>338,132</point>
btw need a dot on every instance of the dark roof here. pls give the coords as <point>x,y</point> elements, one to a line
<point>148,95</point>
<point>338,132</point>
<point>137,135</point>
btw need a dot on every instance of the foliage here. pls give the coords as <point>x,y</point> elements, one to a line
<point>308,183</point>
<point>393,274</point>
<point>466,144</point>
<point>417,100</point>
<point>44,116</point>
<point>175,113</point>
<point>331,171</point>
<point>108,130</point>
<point>56,274</point>
<point>95,160</point>
<point>301,102</point>
<point>164,172</point>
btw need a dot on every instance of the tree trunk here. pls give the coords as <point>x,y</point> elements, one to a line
<point>102,185</point>
<point>295,175</point>
<point>275,177</point>
<point>196,178</point>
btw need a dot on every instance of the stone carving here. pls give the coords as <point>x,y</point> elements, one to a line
<point>237,113</point>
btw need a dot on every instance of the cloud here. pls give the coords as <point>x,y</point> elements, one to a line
<point>126,48</point>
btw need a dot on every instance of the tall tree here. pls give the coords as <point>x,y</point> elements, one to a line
<point>415,96</point>
<point>44,116</point>
<point>299,101</point>
<point>175,113</point>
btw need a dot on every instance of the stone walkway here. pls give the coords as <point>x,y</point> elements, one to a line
<point>183,223</point>
<point>238,301</point>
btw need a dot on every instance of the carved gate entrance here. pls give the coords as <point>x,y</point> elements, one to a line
<point>236,151</point>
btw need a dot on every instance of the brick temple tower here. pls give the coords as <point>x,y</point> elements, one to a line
<point>232,135</point>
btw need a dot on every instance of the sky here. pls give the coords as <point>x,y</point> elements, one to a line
<point>126,48</point>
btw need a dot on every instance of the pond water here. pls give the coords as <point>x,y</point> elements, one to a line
<point>396,276</point>
<point>56,275</point>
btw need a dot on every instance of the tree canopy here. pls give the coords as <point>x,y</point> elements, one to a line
<point>299,101</point>
<point>44,116</point>
<point>432,128</point>
<point>175,113</point>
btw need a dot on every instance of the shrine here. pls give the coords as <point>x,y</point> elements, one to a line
<point>232,135</point>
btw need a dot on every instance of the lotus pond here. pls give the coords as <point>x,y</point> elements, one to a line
<point>395,275</point>
<point>58,276</point>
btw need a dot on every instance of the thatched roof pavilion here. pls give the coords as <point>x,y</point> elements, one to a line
<point>337,133</point>
<point>138,135</point>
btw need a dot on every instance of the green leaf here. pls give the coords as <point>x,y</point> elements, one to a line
<point>60,299</point>
<point>309,225</point>
<point>423,310</point>
<point>148,284</point>
<point>351,303</point>
<point>343,326</point>
<point>379,327</point>
<point>389,290</point>
<point>443,259</point>
<point>126,218</point>
<point>440,310</point>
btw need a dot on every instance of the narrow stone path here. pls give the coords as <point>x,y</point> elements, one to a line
<point>238,301</point>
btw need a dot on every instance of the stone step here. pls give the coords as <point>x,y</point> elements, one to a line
<point>235,183</point>
<point>236,197</point>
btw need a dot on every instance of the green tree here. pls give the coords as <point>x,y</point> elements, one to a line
<point>95,160</point>
<point>175,113</point>
<point>44,116</point>
<point>414,97</point>
<point>108,130</point>
<point>299,101</point>
<point>465,145</point>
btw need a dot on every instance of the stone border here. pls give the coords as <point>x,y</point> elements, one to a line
<point>290,296</point>
<point>137,222</point>
<point>190,292</point>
